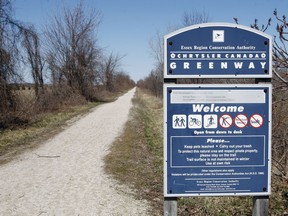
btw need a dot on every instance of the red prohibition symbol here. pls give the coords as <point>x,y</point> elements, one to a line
<point>225,121</point>
<point>241,121</point>
<point>256,120</point>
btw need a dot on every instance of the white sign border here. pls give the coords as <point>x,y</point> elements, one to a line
<point>166,37</point>
<point>165,88</point>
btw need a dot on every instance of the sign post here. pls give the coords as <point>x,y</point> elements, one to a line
<point>217,138</point>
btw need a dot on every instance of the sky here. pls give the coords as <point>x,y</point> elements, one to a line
<point>128,26</point>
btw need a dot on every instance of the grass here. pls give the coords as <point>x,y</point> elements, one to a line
<point>32,129</point>
<point>136,159</point>
<point>136,156</point>
<point>13,142</point>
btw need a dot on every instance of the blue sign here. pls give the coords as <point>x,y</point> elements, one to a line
<point>217,140</point>
<point>217,50</point>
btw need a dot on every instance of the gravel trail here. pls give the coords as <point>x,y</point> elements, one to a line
<point>65,176</point>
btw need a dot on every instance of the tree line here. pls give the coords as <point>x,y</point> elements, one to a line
<point>66,62</point>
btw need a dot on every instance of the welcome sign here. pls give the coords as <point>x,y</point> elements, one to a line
<point>217,50</point>
<point>217,140</point>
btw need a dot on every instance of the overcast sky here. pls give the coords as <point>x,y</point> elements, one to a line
<point>128,25</point>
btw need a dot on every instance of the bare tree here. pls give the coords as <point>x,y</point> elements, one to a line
<point>9,54</point>
<point>156,48</point>
<point>155,78</point>
<point>193,18</point>
<point>72,51</point>
<point>109,69</point>
<point>280,92</point>
<point>123,81</point>
<point>31,44</point>
<point>280,52</point>
<point>280,83</point>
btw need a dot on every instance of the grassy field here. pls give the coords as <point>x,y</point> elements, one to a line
<point>14,141</point>
<point>136,159</point>
<point>35,121</point>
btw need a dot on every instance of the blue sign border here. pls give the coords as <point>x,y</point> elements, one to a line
<point>187,52</point>
<point>177,173</point>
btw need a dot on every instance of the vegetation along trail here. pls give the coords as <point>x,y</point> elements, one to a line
<point>65,175</point>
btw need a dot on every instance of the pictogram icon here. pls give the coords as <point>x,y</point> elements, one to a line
<point>225,121</point>
<point>256,120</point>
<point>241,121</point>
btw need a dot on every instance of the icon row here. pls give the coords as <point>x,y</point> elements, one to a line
<point>211,121</point>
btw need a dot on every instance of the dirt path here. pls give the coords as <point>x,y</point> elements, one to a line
<point>65,175</point>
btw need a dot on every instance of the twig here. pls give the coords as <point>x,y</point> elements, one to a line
<point>282,79</point>
<point>278,101</point>
<point>47,156</point>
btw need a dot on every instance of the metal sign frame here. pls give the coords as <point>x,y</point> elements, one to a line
<point>213,107</point>
<point>216,72</point>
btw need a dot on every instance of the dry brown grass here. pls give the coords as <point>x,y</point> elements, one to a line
<point>136,159</point>
<point>32,119</point>
<point>16,140</point>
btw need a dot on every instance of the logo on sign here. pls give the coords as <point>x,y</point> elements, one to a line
<point>218,35</point>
